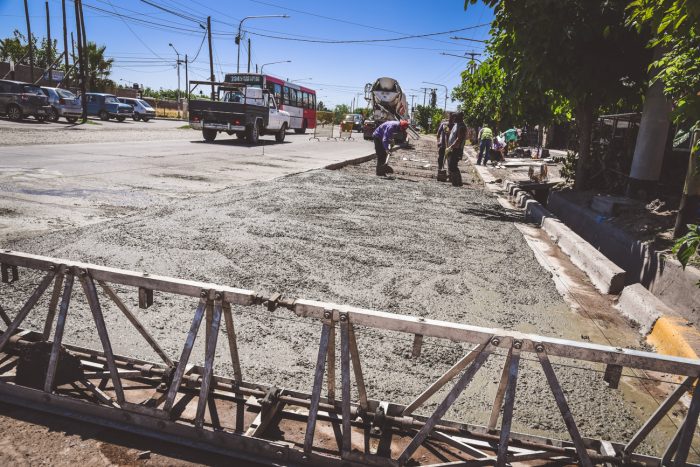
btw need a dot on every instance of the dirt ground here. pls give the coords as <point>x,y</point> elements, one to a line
<point>406,245</point>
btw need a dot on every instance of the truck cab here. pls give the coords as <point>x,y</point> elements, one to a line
<point>247,112</point>
<point>107,106</point>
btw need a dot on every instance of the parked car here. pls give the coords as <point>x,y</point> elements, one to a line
<point>18,100</point>
<point>63,104</point>
<point>142,109</point>
<point>107,106</point>
<point>356,120</point>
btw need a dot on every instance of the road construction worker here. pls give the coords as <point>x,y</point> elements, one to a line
<point>485,141</point>
<point>455,148</point>
<point>383,136</point>
<point>442,135</point>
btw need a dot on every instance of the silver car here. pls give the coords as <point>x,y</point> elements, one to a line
<point>63,104</point>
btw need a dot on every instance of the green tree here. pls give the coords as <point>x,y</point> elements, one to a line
<point>675,28</point>
<point>98,68</point>
<point>322,107</point>
<point>428,118</point>
<point>580,50</point>
<point>15,48</point>
<point>339,112</point>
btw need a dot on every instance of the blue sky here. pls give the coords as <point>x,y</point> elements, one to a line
<point>336,71</point>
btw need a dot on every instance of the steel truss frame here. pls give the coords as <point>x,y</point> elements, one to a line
<point>101,395</point>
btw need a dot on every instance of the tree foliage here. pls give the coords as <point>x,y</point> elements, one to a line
<point>675,29</point>
<point>580,50</point>
<point>339,112</point>
<point>98,68</point>
<point>428,118</point>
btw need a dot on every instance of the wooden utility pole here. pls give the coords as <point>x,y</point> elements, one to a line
<point>187,81</point>
<point>249,55</point>
<point>49,54</point>
<point>81,58</point>
<point>65,40</point>
<point>689,210</point>
<point>31,45</point>
<point>211,58</point>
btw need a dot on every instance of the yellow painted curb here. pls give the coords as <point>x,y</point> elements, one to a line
<point>675,336</point>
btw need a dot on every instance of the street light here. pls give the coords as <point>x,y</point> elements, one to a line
<point>238,36</point>
<point>438,84</point>
<point>300,79</point>
<point>178,78</point>
<point>273,63</point>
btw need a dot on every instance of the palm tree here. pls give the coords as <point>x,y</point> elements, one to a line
<point>98,67</point>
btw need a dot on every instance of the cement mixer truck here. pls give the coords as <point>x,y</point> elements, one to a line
<point>387,101</point>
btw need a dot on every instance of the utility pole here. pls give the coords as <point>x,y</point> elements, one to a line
<point>49,55</point>
<point>249,55</point>
<point>187,80</point>
<point>81,63</point>
<point>177,54</point>
<point>65,39</point>
<point>31,47</point>
<point>211,58</point>
<point>86,53</point>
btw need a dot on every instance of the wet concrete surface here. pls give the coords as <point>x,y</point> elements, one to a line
<point>409,246</point>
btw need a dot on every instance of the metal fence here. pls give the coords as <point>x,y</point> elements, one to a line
<point>174,400</point>
<point>325,130</point>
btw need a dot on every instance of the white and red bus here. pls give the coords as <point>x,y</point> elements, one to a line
<point>299,101</point>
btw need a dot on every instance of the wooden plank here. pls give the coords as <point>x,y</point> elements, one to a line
<point>136,323</point>
<point>458,332</point>
<point>58,335</point>
<point>444,379</point>
<point>437,415</point>
<point>500,394</point>
<point>689,425</point>
<point>99,393</point>
<point>232,342</point>
<point>417,345</point>
<point>455,443</point>
<point>318,383</point>
<point>331,364</point>
<point>563,406</point>
<point>36,295</point>
<point>357,368</point>
<point>131,278</point>
<point>94,302</point>
<point>185,355</point>
<point>346,383</point>
<point>658,414</point>
<point>513,363</point>
<point>208,363</point>
<point>53,303</point>
<point>4,317</point>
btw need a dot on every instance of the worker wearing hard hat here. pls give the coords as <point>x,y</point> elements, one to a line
<point>383,136</point>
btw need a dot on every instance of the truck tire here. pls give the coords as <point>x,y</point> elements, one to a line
<point>279,136</point>
<point>253,133</point>
<point>209,134</point>
<point>104,115</point>
<point>14,113</point>
<point>121,119</point>
<point>240,134</point>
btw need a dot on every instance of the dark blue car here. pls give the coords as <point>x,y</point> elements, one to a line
<point>107,106</point>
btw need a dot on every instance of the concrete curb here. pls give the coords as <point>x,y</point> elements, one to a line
<point>357,160</point>
<point>642,307</point>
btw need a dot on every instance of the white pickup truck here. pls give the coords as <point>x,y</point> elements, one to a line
<point>247,112</point>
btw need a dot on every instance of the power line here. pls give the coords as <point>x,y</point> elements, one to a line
<point>357,41</point>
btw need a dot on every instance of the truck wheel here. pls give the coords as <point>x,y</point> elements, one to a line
<point>253,134</point>
<point>14,113</point>
<point>104,115</point>
<point>209,134</point>
<point>279,137</point>
<point>135,117</point>
<point>121,119</point>
<point>240,134</point>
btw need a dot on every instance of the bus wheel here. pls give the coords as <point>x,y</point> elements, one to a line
<point>209,134</point>
<point>279,137</point>
<point>300,131</point>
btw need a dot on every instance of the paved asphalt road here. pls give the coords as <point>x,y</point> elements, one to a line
<point>96,172</point>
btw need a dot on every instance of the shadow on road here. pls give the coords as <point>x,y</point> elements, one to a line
<point>492,214</point>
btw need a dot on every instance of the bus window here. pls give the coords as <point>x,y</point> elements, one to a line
<point>293,97</point>
<point>306,100</point>
<point>278,93</point>
<point>313,101</point>
<point>286,96</point>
